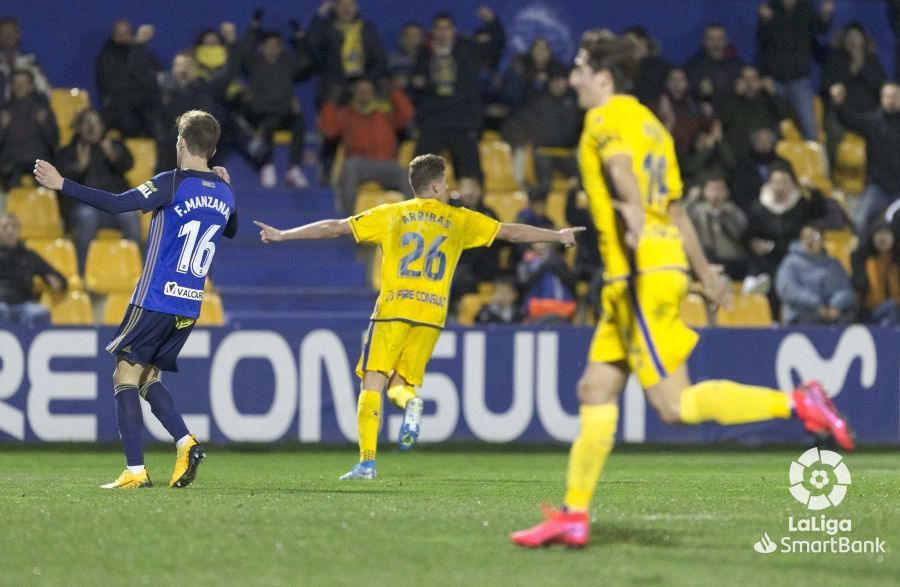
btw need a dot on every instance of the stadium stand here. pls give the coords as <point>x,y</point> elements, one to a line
<point>112,266</point>
<point>37,210</point>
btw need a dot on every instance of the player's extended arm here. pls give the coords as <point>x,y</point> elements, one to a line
<point>47,175</point>
<point>332,228</point>
<point>523,233</point>
<point>628,192</point>
<point>710,275</point>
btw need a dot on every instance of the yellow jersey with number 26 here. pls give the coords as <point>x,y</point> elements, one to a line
<point>625,126</point>
<point>421,241</point>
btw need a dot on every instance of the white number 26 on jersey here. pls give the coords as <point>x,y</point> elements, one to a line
<point>197,256</point>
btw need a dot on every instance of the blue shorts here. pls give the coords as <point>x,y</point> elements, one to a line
<point>152,338</point>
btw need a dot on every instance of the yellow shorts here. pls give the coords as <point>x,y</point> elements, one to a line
<point>641,324</point>
<point>401,347</point>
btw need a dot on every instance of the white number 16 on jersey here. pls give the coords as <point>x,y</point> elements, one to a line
<point>198,258</point>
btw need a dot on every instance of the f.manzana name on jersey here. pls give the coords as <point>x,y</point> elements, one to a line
<point>203,202</point>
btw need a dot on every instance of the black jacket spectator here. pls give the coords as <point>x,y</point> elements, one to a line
<point>528,76</point>
<point>19,266</point>
<point>881,130</point>
<point>753,104</point>
<point>127,81</point>
<point>863,80</point>
<point>344,46</point>
<point>787,38</point>
<point>652,68</point>
<point>28,130</point>
<point>713,70</point>
<point>753,168</point>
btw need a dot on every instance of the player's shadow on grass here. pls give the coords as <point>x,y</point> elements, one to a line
<point>606,533</point>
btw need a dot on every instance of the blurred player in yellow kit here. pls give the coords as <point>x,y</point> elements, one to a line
<point>421,240</point>
<point>648,245</point>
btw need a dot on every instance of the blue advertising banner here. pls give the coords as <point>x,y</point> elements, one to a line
<point>279,382</point>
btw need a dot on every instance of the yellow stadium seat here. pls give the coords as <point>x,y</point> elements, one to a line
<point>69,308</point>
<point>491,135</point>
<point>370,199</point>
<point>144,153</point>
<point>694,312</point>
<point>819,111</point>
<point>406,152</point>
<point>114,308</point>
<point>746,311</point>
<point>789,130</point>
<point>108,234</point>
<point>212,313</point>
<point>282,137</point>
<point>840,244</point>
<point>486,289</point>
<point>507,205</point>
<point>59,252</point>
<point>497,164</point>
<point>850,167</point>
<point>38,211</point>
<point>808,160</point>
<point>556,208</point>
<point>66,103</point>
<point>112,266</point>
<point>469,306</point>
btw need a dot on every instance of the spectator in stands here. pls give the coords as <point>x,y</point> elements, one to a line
<point>554,123</point>
<point>652,68</point>
<point>12,59</point>
<point>854,63</point>
<point>680,113</point>
<point>713,70</point>
<point>211,49</point>
<point>502,309</point>
<point>269,102</point>
<point>753,104</point>
<point>813,287</point>
<point>876,276</point>
<point>447,89</point>
<point>881,130</point>
<point>720,226</point>
<point>369,136</point>
<point>97,159</point>
<point>547,284</point>
<point>711,156</point>
<point>753,168</point>
<point>402,60</point>
<point>786,32</point>
<point>774,222</point>
<point>478,265</point>
<point>344,46</point>
<point>28,130</point>
<point>529,74</point>
<point>18,268</point>
<point>535,213</point>
<point>127,81</point>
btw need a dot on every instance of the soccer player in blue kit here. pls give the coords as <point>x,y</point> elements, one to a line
<point>193,206</point>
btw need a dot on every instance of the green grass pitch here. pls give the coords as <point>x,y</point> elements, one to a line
<point>437,516</point>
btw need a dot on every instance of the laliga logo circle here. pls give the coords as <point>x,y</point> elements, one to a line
<point>819,479</point>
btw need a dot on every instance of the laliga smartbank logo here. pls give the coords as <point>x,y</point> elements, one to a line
<point>819,480</point>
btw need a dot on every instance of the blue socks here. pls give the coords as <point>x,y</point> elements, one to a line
<point>163,407</point>
<point>131,423</point>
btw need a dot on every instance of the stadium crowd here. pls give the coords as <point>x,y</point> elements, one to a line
<point>756,142</point>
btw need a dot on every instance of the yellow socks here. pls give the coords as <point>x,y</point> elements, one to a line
<point>368,419</point>
<point>589,452</point>
<point>727,402</point>
<point>400,394</point>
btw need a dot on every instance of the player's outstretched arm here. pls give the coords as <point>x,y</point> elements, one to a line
<point>523,233</point>
<point>332,228</point>
<point>48,176</point>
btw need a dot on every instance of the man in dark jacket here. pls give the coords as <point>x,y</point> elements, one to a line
<point>12,58</point>
<point>95,158</point>
<point>786,33</point>
<point>18,268</point>
<point>753,167</point>
<point>813,287</point>
<point>447,89</point>
<point>555,125</point>
<point>28,129</point>
<point>713,70</point>
<point>344,46</point>
<point>126,80</point>
<point>270,102</point>
<point>881,130</point>
<point>652,68</point>
<point>753,103</point>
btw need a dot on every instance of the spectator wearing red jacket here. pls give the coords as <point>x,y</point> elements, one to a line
<point>368,130</point>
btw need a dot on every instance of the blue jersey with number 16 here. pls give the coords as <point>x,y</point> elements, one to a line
<point>190,212</point>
